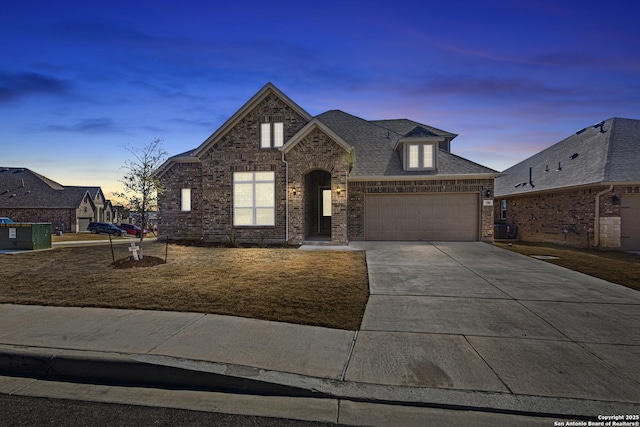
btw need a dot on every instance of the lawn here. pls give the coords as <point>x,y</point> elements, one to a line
<point>323,288</point>
<point>72,237</point>
<point>614,266</point>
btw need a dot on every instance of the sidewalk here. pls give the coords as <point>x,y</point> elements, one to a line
<point>448,326</point>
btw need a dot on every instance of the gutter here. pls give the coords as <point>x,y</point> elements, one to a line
<point>596,225</point>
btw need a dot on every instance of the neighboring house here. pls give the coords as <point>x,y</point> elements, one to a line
<point>583,191</point>
<point>26,196</point>
<point>274,173</point>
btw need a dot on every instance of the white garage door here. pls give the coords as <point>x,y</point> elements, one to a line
<point>447,217</point>
<point>630,222</point>
<point>83,223</point>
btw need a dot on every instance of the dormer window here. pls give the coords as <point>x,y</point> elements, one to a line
<point>271,135</point>
<point>419,157</point>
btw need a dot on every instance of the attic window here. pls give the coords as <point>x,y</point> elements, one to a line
<point>419,157</point>
<point>271,133</point>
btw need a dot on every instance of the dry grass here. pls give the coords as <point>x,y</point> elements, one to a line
<point>322,288</point>
<point>614,266</point>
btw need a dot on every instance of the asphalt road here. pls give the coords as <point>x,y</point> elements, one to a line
<point>33,412</point>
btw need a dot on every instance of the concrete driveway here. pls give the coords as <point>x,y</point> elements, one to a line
<point>471,316</point>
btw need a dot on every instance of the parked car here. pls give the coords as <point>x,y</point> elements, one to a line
<point>133,229</point>
<point>5,220</point>
<point>106,228</point>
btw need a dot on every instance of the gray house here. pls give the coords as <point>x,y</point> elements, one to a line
<point>272,172</point>
<point>583,191</point>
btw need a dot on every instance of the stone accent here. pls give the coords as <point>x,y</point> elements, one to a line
<point>358,189</point>
<point>610,232</point>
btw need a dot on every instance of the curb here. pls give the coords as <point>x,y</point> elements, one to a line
<point>151,371</point>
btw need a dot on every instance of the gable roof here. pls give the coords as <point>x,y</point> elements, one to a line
<point>375,142</point>
<point>605,153</point>
<point>376,154</point>
<point>268,89</point>
<point>313,124</point>
<point>23,188</point>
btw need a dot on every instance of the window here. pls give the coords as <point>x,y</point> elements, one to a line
<point>266,139</point>
<point>278,134</point>
<point>253,198</point>
<point>185,200</point>
<point>419,156</point>
<point>503,209</point>
<point>265,135</point>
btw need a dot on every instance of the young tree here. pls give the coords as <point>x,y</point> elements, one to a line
<point>141,186</point>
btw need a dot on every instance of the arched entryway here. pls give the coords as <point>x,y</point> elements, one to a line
<point>317,205</point>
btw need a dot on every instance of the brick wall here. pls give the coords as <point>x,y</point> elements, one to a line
<point>173,223</point>
<point>238,150</point>
<point>358,190</point>
<point>568,216</point>
<point>52,216</point>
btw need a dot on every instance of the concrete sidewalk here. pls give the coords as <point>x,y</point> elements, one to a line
<point>448,325</point>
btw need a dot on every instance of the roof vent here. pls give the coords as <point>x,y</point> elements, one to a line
<point>546,169</point>
<point>580,131</point>
<point>573,156</point>
<point>600,125</point>
<point>559,167</point>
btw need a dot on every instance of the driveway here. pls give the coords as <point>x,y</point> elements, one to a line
<point>471,316</point>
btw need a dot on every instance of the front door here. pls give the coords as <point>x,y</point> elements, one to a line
<point>324,211</point>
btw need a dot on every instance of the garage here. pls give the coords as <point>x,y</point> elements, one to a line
<point>445,217</point>
<point>83,223</point>
<point>630,222</point>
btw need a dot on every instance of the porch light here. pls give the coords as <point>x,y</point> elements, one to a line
<point>293,190</point>
<point>338,190</point>
<point>487,194</point>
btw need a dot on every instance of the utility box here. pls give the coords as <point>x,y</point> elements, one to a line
<point>25,236</point>
<point>500,231</point>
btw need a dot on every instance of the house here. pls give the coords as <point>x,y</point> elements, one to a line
<point>26,196</point>
<point>274,173</point>
<point>583,191</point>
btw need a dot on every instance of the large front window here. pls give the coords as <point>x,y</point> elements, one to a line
<point>253,198</point>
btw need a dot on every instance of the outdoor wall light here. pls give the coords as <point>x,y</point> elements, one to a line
<point>487,194</point>
<point>338,190</point>
<point>293,190</point>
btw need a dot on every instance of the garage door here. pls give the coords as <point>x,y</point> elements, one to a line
<point>630,222</point>
<point>421,217</point>
<point>83,223</point>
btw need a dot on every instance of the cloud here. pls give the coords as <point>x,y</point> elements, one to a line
<point>21,84</point>
<point>92,126</point>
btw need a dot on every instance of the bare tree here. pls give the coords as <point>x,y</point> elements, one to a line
<point>141,186</point>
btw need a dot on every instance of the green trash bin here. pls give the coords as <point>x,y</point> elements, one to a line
<point>25,236</point>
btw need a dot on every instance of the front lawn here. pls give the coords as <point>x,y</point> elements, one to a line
<point>618,267</point>
<point>323,288</point>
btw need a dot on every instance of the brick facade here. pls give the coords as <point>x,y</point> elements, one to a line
<point>316,160</point>
<point>316,151</point>
<point>63,218</point>
<point>568,216</point>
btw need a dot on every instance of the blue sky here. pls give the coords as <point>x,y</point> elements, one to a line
<point>79,80</point>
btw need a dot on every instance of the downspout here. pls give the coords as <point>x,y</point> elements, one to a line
<point>596,225</point>
<point>286,203</point>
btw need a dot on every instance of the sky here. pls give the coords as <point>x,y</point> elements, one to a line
<point>81,80</point>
